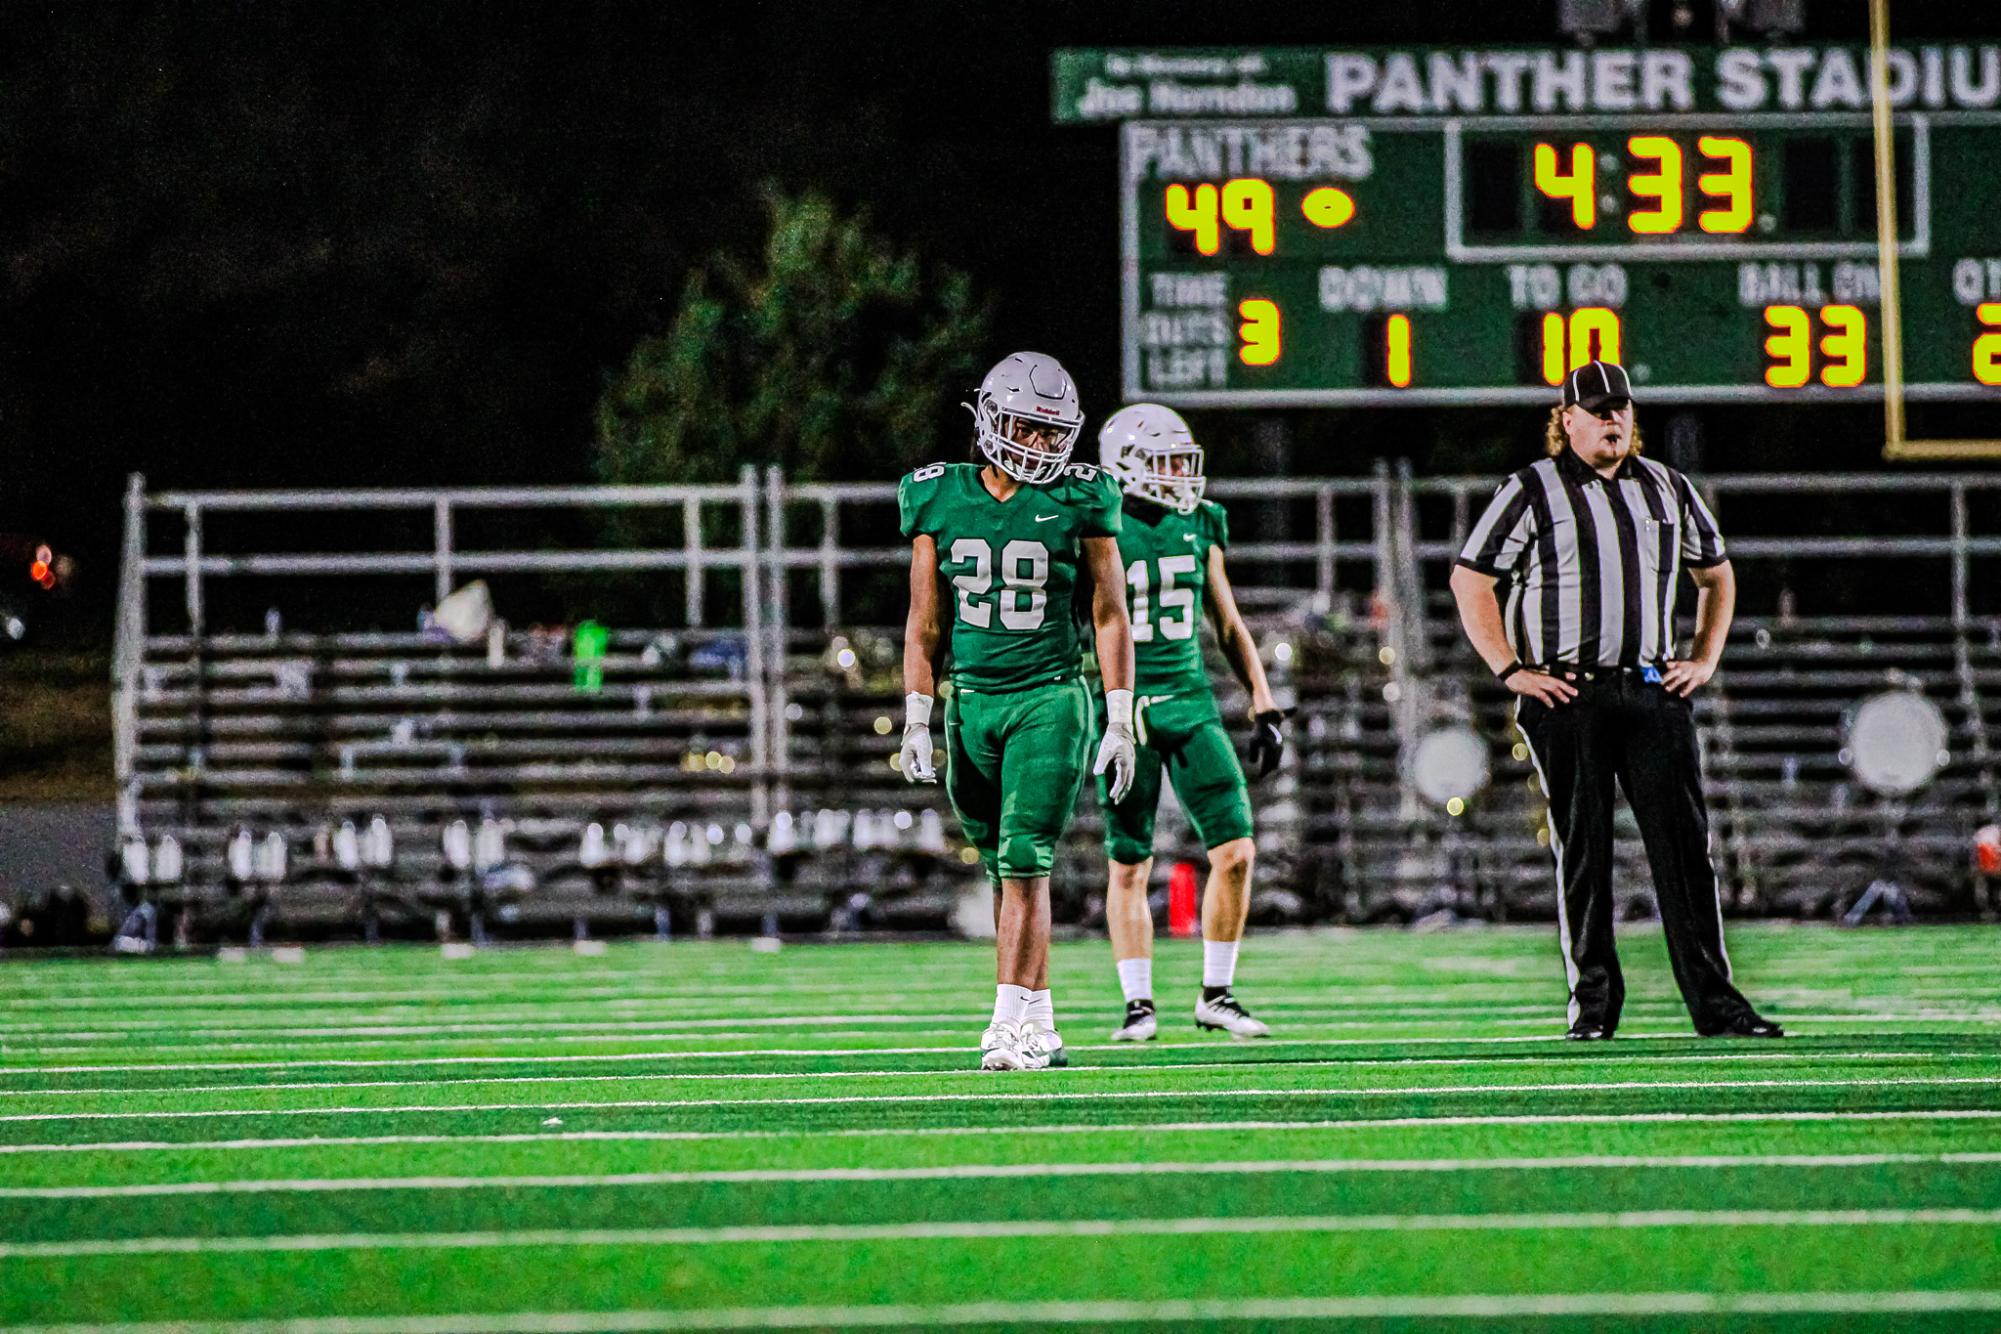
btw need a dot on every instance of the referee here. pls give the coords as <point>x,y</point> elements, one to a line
<point>1592,541</point>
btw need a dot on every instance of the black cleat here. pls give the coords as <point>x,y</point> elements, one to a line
<point>1749,1024</point>
<point>1586,1030</point>
<point>1223,1013</point>
<point>1140,1024</point>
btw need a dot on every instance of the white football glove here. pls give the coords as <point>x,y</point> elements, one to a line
<point>918,752</point>
<point>1117,752</point>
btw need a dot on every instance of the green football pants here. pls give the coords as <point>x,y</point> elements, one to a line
<point>1181,737</point>
<point>1014,763</point>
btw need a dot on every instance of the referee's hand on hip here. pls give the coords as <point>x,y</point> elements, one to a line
<point>1541,687</point>
<point>1684,676</point>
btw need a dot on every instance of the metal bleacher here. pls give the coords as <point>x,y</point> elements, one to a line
<point>290,743</point>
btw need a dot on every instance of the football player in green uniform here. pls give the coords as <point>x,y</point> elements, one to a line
<point>996,552</point>
<point>1171,547</point>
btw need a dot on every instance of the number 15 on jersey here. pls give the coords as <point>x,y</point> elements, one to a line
<point>1176,606</point>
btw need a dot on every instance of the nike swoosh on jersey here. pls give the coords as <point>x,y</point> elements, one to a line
<point>1189,536</point>
<point>1045,518</point>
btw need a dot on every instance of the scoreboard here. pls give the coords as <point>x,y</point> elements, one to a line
<point>1464,225</point>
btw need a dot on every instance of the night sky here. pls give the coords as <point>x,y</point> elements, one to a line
<point>260,244</point>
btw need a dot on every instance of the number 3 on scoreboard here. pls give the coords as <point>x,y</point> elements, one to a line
<point>1259,332</point>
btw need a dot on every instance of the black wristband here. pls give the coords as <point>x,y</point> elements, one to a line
<point>1509,670</point>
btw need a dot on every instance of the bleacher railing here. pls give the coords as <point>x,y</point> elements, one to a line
<point>763,673</point>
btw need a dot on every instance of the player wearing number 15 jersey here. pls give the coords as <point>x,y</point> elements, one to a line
<point>1171,546</point>
<point>997,550</point>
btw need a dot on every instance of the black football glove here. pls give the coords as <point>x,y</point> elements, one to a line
<point>1267,740</point>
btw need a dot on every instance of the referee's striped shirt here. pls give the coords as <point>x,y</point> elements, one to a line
<point>1592,564</point>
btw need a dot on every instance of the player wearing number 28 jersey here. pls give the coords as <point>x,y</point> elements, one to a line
<point>1171,545</point>
<point>997,550</point>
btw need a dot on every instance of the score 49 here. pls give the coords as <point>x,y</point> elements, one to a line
<point>1248,205</point>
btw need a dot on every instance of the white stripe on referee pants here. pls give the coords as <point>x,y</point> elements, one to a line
<point>1556,846</point>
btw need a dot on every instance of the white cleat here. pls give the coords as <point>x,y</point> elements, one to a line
<point>1225,1014</point>
<point>1041,1047</point>
<point>1000,1047</point>
<point>1140,1025</point>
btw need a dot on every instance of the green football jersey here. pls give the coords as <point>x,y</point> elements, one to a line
<point>1009,567</point>
<point>1166,560</point>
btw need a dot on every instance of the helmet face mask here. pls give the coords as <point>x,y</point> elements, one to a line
<point>1149,450</point>
<point>1026,417</point>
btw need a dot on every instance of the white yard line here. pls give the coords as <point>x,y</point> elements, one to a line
<point>175,1036</point>
<point>1390,1306</point>
<point>989,1097</point>
<point>794,1233</point>
<point>1737,1057</point>
<point>588,1058</point>
<point>985,1131</point>
<point>994,1171</point>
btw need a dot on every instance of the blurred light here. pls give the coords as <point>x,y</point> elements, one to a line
<point>38,570</point>
<point>489,845</point>
<point>271,858</point>
<point>15,627</point>
<point>1282,651</point>
<point>1386,655</point>
<point>135,860</point>
<point>1896,742</point>
<point>713,760</point>
<point>903,819</point>
<point>347,846</point>
<point>727,766</point>
<point>794,712</point>
<point>1449,764</point>
<point>241,855</point>
<point>456,841</point>
<point>882,726</point>
<point>593,852</point>
<point>896,761</point>
<point>969,855</point>
<point>43,555</point>
<point>48,580</point>
<point>1521,751</point>
<point>168,861</point>
<point>378,848</point>
<point>1392,692</point>
<point>1542,837</point>
<point>846,658</point>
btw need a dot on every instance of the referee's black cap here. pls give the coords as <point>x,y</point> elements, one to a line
<point>1595,385</point>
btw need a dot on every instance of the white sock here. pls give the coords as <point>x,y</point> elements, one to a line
<point>1136,978</point>
<point>1219,962</point>
<point>1041,1010</point>
<point>1010,1003</point>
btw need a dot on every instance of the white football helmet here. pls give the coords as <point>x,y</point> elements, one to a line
<point>1027,390</point>
<point>1149,450</point>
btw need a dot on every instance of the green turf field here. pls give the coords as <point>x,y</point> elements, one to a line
<point>698,1136</point>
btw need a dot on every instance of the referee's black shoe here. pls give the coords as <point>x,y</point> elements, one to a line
<point>1589,1030</point>
<point>1749,1024</point>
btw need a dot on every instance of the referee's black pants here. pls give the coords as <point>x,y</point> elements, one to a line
<point>1638,732</point>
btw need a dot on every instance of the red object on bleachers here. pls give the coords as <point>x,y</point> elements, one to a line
<point>1181,914</point>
